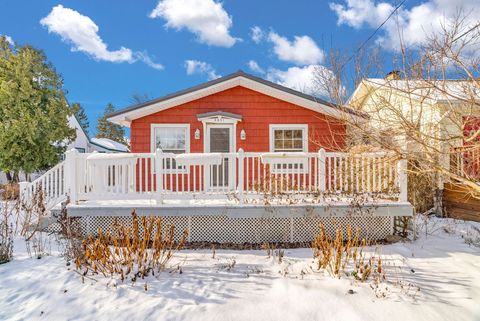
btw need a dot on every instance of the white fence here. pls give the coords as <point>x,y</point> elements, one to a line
<point>242,175</point>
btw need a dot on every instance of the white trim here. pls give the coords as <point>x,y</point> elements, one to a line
<point>178,125</point>
<point>126,118</point>
<point>206,139</point>
<point>206,149</point>
<point>303,127</point>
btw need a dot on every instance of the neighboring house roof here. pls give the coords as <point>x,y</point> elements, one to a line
<point>108,144</point>
<point>436,91</point>
<point>239,78</point>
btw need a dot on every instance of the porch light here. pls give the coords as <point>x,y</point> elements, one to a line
<point>197,133</point>
<point>243,135</point>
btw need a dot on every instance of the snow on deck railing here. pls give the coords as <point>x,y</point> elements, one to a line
<point>240,175</point>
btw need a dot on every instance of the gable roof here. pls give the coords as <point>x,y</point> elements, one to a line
<point>109,144</point>
<point>436,91</point>
<point>239,78</point>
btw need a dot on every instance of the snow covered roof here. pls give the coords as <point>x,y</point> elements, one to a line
<point>436,90</point>
<point>109,144</point>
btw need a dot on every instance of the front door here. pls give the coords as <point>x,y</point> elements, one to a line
<point>220,140</point>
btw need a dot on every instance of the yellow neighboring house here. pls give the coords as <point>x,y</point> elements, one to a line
<point>425,116</point>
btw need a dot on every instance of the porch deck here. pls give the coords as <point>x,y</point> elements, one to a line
<point>232,197</point>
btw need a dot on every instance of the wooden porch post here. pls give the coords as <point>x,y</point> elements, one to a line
<point>322,170</point>
<point>71,174</point>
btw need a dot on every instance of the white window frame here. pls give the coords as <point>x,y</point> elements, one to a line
<point>303,127</point>
<point>186,127</point>
<point>232,132</point>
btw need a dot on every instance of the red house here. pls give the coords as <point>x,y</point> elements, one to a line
<point>233,112</point>
<point>236,159</point>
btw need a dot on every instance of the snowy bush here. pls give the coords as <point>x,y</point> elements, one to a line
<point>144,249</point>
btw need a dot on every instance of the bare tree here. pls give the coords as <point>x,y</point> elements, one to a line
<point>427,109</point>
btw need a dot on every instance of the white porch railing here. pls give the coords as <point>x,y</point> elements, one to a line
<point>241,175</point>
<point>52,184</point>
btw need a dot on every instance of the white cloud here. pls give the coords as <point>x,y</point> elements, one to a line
<point>8,39</point>
<point>257,34</point>
<point>302,51</point>
<point>200,67</point>
<point>253,65</point>
<point>205,18</point>
<point>82,33</point>
<point>298,78</point>
<point>356,13</point>
<point>143,56</point>
<point>415,25</point>
<point>314,80</point>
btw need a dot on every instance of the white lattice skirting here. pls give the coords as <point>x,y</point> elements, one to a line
<point>223,229</point>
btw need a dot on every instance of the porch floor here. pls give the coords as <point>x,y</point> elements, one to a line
<point>232,208</point>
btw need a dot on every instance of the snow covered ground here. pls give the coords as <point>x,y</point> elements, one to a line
<point>436,277</point>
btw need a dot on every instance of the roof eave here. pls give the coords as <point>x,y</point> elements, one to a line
<point>124,117</point>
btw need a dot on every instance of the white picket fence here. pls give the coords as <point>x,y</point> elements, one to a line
<point>242,175</point>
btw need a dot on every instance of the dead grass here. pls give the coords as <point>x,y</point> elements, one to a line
<point>145,248</point>
<point>345,255</point>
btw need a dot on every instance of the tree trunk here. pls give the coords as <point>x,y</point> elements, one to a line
<point>9,176</point>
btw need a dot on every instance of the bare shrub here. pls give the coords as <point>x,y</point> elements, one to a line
<point>420,187</point>
<point>6,234</point>
<point>9,192</point>
<point>31,215</point>
<point>345,255</point>
<point>71,236</point>
<point>144,249</point>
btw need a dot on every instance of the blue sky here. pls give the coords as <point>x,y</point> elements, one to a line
<point>107,51</point>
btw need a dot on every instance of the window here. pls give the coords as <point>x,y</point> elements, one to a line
<point>288,138</point>
<point>171,138</point>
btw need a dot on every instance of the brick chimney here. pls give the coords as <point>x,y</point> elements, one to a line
<point>393,75</point>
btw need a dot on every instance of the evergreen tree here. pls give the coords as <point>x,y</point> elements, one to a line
<point>34,129</point>
<point>106,129</point>
<point>81,116</point>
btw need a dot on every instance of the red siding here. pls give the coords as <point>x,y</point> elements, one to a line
<point>258,111</point>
